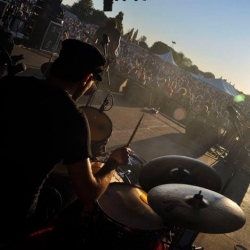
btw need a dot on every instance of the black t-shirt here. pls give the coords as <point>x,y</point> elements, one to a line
<point>40,126</point>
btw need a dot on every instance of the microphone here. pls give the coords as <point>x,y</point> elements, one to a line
<point>105,39</point>
<point>104,104</point>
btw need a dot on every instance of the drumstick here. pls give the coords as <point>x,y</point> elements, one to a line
<point>136,128</point>
<point>107,153</point>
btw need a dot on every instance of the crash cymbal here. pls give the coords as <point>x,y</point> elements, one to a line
<point>178,169</point>
<point>196,208</point>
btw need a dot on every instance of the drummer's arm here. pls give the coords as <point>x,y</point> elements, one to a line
<point>89,186</point>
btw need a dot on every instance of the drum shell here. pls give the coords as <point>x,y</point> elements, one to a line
<point>111,229</point>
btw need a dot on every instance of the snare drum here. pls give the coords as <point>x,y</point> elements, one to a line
<point>124,220</point>
<point>100,128</point>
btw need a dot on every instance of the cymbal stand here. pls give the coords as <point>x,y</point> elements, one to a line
<point>176,238</point>
<point>105,43</point>
<point>233,164</point>
<point>105,51</point>
<point>235,170</point>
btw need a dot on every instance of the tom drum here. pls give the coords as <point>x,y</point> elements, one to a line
<point>100,128</point>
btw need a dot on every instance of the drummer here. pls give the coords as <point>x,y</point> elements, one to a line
<point>42,126</point>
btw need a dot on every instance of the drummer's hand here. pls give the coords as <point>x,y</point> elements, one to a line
<point>120,155</point>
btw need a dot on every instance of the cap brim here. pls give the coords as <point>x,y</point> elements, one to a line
<point>45,69</point>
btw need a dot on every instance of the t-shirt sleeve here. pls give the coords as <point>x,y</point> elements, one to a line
<point>77,139</point>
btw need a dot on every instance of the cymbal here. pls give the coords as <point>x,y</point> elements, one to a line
<point>178,169</point>
<point>196,208</point>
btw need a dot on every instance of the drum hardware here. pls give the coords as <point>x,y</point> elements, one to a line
<point>106,102</point>
<point>123,174</point>
<point>123,177</point>
<point>178,169</point>
<point>196,208</point>
<point>235,118</point>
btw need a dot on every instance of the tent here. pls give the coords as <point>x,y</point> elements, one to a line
<point>222,85</point>
<point>168,57</point>
<point>219,84</point>
<point>71,15</point>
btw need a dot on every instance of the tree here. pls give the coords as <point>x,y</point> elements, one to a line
<point>66,7</point>
<point>194,69</point>
<point>134,36</point>
<point>128,35</point>
<point>159,48</point>
<point>83,9</point>
<point>143,39</point>
<point>184,61</point>
<point>143,45</point>
<point>98,17</point>
<point>142,42</point>
<point>208,75</point>
<point>119,20</point>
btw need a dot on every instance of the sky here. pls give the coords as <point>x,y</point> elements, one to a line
<point>213,34</point>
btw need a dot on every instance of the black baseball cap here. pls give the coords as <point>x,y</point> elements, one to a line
<point>76,59</point>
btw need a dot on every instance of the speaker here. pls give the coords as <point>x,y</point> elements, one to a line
<point>44,12</point>
<point>202,133</point>
<point>37,32</point>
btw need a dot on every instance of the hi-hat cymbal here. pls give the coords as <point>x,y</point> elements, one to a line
<point>178,169</point>
<point>196,208</point>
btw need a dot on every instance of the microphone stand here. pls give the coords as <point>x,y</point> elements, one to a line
<point>106,102</point>
<point>104,44</point>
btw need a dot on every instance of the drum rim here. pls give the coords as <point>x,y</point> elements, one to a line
<point>98,204</point>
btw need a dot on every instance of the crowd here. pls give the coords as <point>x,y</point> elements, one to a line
<point>172,88</point>
<point>16,14</point>
<point>167,83</point>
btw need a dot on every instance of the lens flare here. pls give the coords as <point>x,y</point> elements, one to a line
<point>179,114</point>
<point>239,98</point>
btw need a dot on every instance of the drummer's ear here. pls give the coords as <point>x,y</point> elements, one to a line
<point>88,77</point>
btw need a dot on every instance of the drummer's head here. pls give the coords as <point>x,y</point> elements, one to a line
<point>77,60</point>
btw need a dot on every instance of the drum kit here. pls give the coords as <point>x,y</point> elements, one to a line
<point>176,194</point>
<point>172,194</point>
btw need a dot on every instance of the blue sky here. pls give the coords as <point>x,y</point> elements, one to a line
<point>214,34</point>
